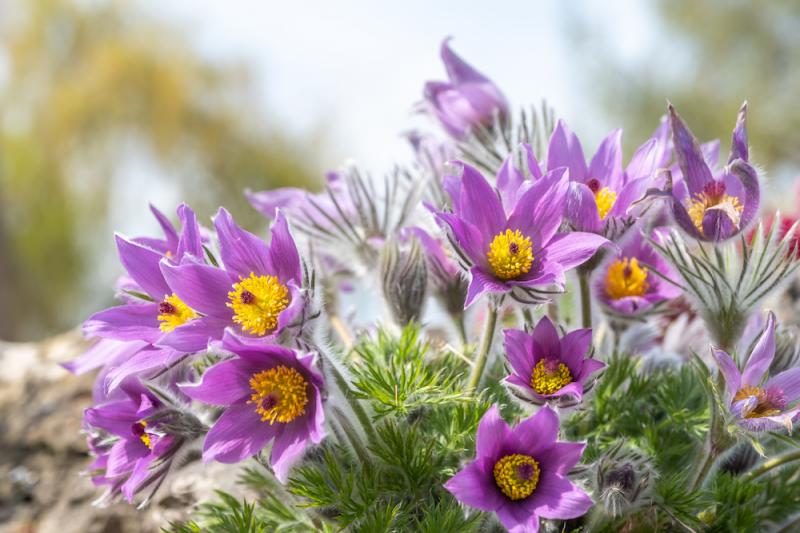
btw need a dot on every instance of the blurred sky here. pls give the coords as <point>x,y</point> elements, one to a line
<point>355,68</point>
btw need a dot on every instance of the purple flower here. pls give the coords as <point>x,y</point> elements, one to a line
<point>759,402</point>
<point>467,100</point>
<point>257,292</point>
<point>545,366</point>
<point>713,207</point>
<point>447,281</point>
<point>601,193</point>
<point>627,285</point>
<point>142,452</point>
<point>510,237</point>
<point>521,473</point>
<point>270,393</point>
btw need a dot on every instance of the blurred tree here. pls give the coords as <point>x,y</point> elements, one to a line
<point>87,87</point>
<point>708,58</point>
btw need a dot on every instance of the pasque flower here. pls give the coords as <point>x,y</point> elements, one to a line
<point>511,240</point>
<point>269,393</point>
<point>713,207</point>
<point>630,283</point>
<point>257,291</point>
<point>546,366</point>
<point>520,473</point>
<point>467,100</point>
<point>757,401</point>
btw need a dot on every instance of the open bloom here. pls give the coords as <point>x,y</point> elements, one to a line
<point>468,99</point>
<point>269,393</point>
<point>602,192</point>
<point>713,207</point>
<point>520,473</point>
<point>759,402</point>
<point>545,366</point>
<point>257,291</point>
<point>511,240</point>
<point>627,284</point>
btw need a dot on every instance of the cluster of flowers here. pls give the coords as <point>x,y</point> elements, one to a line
<point>226,319</point>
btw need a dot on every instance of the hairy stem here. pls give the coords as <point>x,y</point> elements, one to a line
<point>766,466</point>
<point>486,345</point>
<point>586,300</point>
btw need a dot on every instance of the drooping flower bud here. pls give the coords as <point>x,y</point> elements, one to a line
<point>404,278</point>
<point>623,480</point>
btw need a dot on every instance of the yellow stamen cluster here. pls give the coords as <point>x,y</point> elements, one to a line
<point>279,394</point>
<point>605,198</point>
<point>510,254</point>
<point>517,475</point>
<point>703,202</point>
<point>145,437</point>
<point>764,406</point>
<point>626,278</point>
<point>549,378</point>
<point>257,301</point>
<point>173,313</point>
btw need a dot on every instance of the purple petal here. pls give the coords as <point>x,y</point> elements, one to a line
<point>517,518</point>
<point>509,181</point>
<point>204,288</point>
<point>589,367</point>
<point>538,432</point>
<point>194,335</point>
<point>238,434</point>
<point>475,488</point>
<point>644,162</point>
<point>574,347</point>
<point>468,237</point>
<point>492,433</point>
<point>581,209</point>
<point>748,177</point>
<point>123,456</point>
<point>290,443</point>
<point>541,208</point>
<point>556,497</point>
<point>690,158</point>
<point>166,226</point>
<point>788,382</point>
<point>101,353</point>
<point>458,70</point>
<point>142,265</point>
<point>115,417</point>
<point>140,363</point>
<point>733,380</point>
<point>268,202</point>
<point>565,151</point>
<point>283,251</point>
<point>739,148</point>
<point>242,252</point>
<point>519,354</point>
<point>480,205</point>
<point>135,322</point>
<point>224,383</point>
<point>606,165</point>
<point>761,356</point>
<point>574,248</point>
<point>561,457</point>
<point>546,336</point>
<point>481,283</point>
<point>190,242</point>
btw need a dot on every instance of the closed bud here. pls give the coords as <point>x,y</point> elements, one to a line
<point>787,350</point>
<point>623,480</point>
<point>405,280</point>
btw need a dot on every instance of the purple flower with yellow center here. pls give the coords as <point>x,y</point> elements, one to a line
<point>510,240</point>
<point>713,207</point>
<point>520,473</point>
<point>467,100</point>
<point>269,393</point>
<point>627,285</point>
<point>602,191</point>
<point>757,401</point>
<point>142,453</point>
<point>546,366</point>
<point>257,292</point>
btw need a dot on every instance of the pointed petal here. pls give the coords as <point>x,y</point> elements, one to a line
<point>475,488</point>
<point>538,432</point>
<point>480,205</point>
<point>204,288</point>
<point>283,251</point>
<point>573,249</point>
<point>761,356</point>
<point>690,159</point>
<point>242,252</point>
<point>134,322</point>
<point>557,497</point>
<point>606,165</point>
<point>142,265</point>
<point>565,151</point>
<point>492,433</point>
<point>539,211</point>
<point>238,434</point>
<point>224,383</point>
<point>733,379</point>
<point>739,148</point>
<point>519,352</point>
<point>481,283</point>
<point>788,382</point>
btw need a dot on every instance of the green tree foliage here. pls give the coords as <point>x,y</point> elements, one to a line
<point>88,86</point>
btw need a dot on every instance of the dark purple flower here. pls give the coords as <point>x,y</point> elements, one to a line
<point>521,473</point>
<point>270,393</point>
<point>545,366</point>
<point>757,401</point>
<point>467,100</point>
<point>627,285</point>
<point>510,237</point>
<point>602,192</point>
<point>257,291</point>
<point>713,207</point>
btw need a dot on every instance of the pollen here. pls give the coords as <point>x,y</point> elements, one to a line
<point>173,313</point>
<point>517,475</point>
<point>713,197</point>
<point>626,278</point>
<point>550,376</point>
<point>605,199</point>
<point>279,394</point>
<point>257,301</point>
<point>139,429</point>
<point>768,402</point>
<point>510,254</point>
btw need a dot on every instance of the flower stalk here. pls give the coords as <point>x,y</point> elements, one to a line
<point>485,346</point>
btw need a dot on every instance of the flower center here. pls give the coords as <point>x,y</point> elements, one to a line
<point>138,429</point>
<point>173,313</point>
<point>769,402</point>
<point>517,475</point>
<point>510,254</point>
<point>626,278</point>
<point>713,197</point>
<point>603,196</point>
<point>549,376</point>
<point>257,301</point>
<point>279,394</point>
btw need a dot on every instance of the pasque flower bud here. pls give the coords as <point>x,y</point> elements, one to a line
<point>404,277</point>
<point>623,480</point>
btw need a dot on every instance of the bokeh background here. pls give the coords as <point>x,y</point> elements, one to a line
<point>106,106</point>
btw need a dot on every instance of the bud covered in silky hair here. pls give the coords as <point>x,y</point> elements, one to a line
<point>404,276</point>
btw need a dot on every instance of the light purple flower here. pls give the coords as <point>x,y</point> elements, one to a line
<point>757,401</point>
<point>713,207</point>
<point>627,284</point>
<point>467,100</point>
<point>509,237</point>
<point>602,192</point>
<point>546,366</point>
<point>269,393</point>
<point>257,291</point>
<point>521,473</point>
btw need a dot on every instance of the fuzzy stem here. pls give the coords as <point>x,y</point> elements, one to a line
<point>766,466</point>
<point>354,403</point>
<point>703,469</point>
<point>586,300</point>
<point>461,328</point>
<point>486,345</point>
